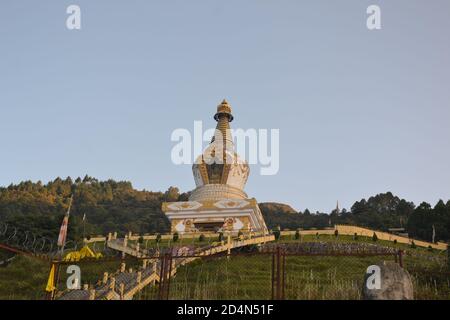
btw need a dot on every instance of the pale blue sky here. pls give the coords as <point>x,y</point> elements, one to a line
<point>360,112</point>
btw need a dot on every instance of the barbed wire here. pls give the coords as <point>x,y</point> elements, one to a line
<point>31,242</point>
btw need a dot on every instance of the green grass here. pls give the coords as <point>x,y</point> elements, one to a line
<point>249,277</point>
<point>23,278</point>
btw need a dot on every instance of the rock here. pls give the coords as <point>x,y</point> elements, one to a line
<point>396,284</point>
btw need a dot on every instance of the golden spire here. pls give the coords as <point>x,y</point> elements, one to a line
<point>208,170</point>
<point>223,117</point>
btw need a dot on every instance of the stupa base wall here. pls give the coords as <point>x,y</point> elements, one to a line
<point>225,215</point>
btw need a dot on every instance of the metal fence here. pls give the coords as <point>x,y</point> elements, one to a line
<point>305,271</point>
<point>296,270</point>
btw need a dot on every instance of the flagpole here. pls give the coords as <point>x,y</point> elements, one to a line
<point>55,265</point>
<point>63,244</point>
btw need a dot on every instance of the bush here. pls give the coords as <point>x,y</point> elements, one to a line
<point>317,235</point>
<point>430,248</point>
<point>201,238</point>
<point>355,236</point>
<point>220,236</point>
<point>141,240</point>
<point>158,238</point>
<point>336,233</point>
<point>413,245</point>
<point>395,241</point>
<point>175,237</point>
<point>277,234</point>
<point>374,237</point>
<point>297,235</point>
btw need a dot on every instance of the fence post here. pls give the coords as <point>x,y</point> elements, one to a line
<point>164,277</point>
<point>273,275</point>
<point>278,274</point>
<point>171,264</point>
<point>162,267</point>
<point>278,296</point>
<point>283,274</point>
<point>400,258</point>
<point>448,256</point>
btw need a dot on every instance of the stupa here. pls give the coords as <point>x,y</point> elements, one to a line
<point>218,203</point>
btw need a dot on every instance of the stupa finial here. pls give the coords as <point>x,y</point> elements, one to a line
<point>224,109</point>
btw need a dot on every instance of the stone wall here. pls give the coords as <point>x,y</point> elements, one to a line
<point>351,230</point>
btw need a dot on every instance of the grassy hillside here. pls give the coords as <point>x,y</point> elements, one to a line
<point>307,277</point>
<point>249,276</point>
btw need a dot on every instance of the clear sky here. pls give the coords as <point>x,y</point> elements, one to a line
<point>360,112</point>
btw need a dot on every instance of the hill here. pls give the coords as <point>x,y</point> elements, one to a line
<point>112,206</point>
<point>276,207</point>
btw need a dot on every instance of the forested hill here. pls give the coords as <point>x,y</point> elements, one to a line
<point>116,206</point>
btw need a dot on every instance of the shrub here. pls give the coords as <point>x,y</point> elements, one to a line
<point>317,235</point>
<point>413,245</point>
<point>430,248</point>
<point>220,236</point>
<point>297,235</point>
<point>374,237</point>
<point>175,237</point>
<point>277,234</point>
<point>158,238</point>
<point>201,238</point>
<point>355,236</point>
<point>395,241</point>
<point>336,233</point>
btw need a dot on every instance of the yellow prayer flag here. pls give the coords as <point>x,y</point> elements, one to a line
<point>51,280</point>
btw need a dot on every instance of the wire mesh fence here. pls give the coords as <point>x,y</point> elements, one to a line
<point>307,271</point>
<point>191,270</point>
<point>271,273</point>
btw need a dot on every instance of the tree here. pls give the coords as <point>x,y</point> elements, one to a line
<point>172,194</point>
<point>297,235</point>
<point>201,238</point>
<point>175,237</point>
<point>374,237</point>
